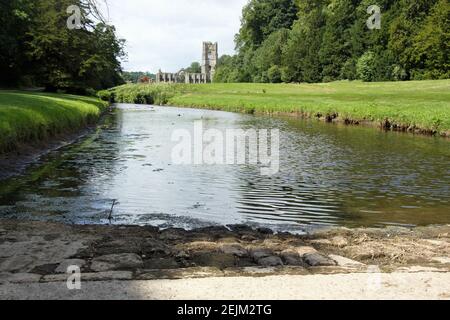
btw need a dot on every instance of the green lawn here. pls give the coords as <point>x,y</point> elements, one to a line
<point>27,117</point>
<point>423,104</point>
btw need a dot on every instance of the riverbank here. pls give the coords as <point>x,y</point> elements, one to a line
<point>38,253</point>
<point>415,106</point>
<point>30,118</point>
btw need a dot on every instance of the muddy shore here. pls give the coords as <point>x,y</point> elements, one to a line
<point>16,162</point>
<point>40,252</point>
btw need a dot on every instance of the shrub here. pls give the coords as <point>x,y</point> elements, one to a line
<point>106,95</point>
<point>365,67</point>
<point>274,74</point>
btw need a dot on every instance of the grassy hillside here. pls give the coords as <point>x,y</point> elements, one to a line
<point>423,105</point>
<point>29,117</point>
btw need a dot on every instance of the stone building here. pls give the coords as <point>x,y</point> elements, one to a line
<point>210,57</point>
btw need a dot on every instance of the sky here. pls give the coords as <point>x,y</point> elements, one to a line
<point>168,34</point>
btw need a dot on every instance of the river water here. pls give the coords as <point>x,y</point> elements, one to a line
<point>330,175</point>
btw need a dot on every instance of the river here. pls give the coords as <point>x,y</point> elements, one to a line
<point>330,175</point>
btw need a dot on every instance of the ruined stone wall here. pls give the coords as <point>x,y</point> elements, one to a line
<point>210,57</point>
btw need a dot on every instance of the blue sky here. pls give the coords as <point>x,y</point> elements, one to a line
<point>168,34</point>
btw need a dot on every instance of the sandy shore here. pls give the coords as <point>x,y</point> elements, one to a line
<point>394,286</point>
<point>235,262</point>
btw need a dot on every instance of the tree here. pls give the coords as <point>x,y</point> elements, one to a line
<point>38,45</point>
<point>269,55</point>
<point>336,47</point>
<point>431,45</point>
<point>195,67</point>
<point>15,18</point>
<point>366,67</point>
<point>327,40</point>
<point>301,59</point>
<point>260,18</point>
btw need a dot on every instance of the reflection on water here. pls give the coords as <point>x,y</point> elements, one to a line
<point>329,175</point>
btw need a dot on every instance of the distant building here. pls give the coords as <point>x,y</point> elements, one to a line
<point>210,57</point>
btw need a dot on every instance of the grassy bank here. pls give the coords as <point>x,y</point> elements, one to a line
<point>27,117</point>
<point>421,106</point>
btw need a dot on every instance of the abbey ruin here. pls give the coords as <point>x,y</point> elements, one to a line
<point>210,57</point>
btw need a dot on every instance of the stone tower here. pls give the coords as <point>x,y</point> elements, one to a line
<point>210,58</point>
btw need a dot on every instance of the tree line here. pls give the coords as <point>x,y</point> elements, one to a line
<point>137,76</point>
<point>39,49</point>
<point>329,40</point>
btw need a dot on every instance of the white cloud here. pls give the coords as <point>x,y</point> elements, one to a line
<point>168,34</point>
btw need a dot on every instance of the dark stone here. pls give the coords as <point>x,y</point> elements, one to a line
<point>240,228</point>
<point>246,262</point>
<point>266,231</point>
<point>318,260</point>
<point>272,261</point>
<point>212,230</point>
<point>151,229</point>
<point>45,269</point>
<point>259,253</point>
<point>293,260</point>
<point>151,247</point>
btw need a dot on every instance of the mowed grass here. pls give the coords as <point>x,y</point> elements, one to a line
<point>423,105</point>
<point>420,104</point>
<point>27,117</point>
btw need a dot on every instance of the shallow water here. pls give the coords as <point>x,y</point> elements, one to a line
<point>329,175</point>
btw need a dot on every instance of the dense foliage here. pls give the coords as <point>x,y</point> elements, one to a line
<point>38,49</point>
<point>136,76</point>
<point>195,67</point>
<point>328,40</point>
